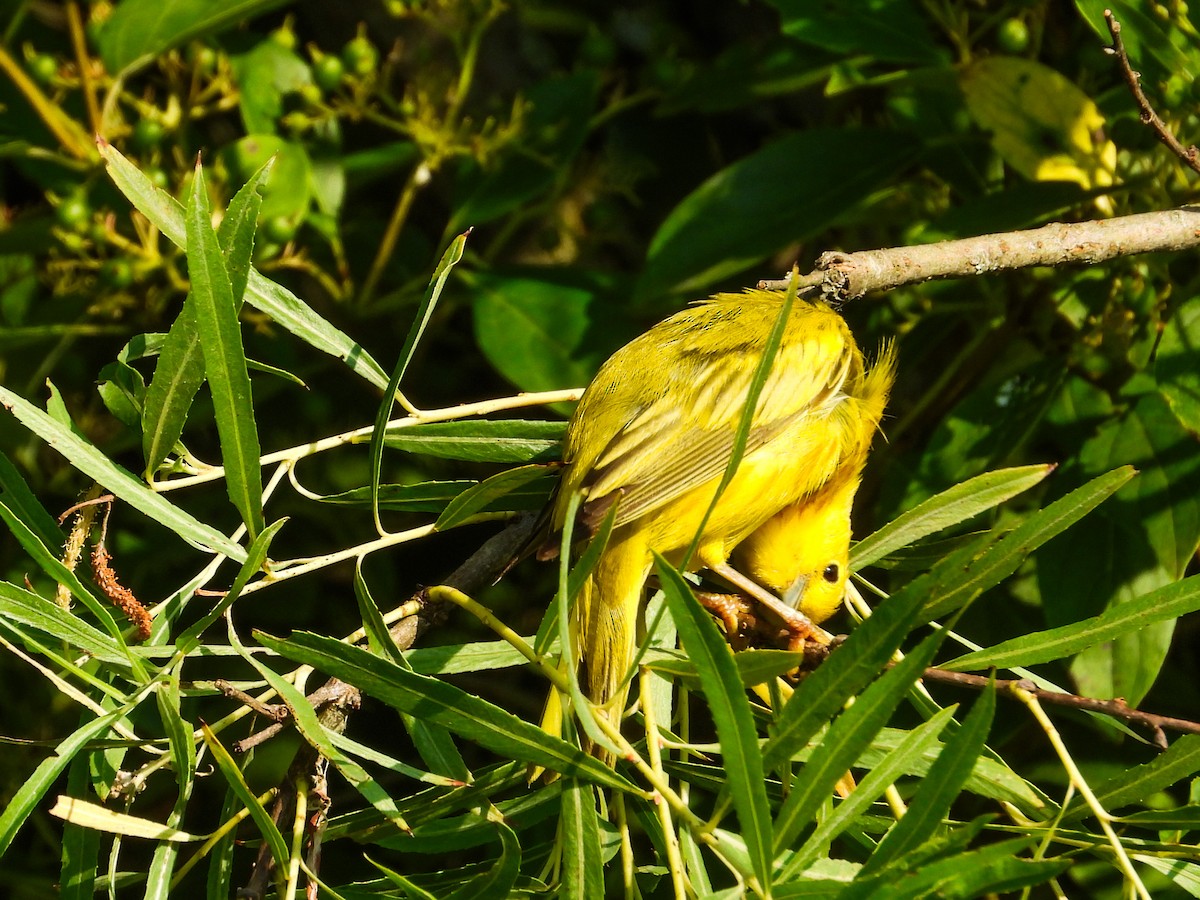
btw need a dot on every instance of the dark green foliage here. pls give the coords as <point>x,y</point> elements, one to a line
<point>480,200</point>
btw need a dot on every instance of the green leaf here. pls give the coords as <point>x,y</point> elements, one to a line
<point>482,440</point>
<point>256,557</point>
<point>437,283</point>
<point>740,753</point>
<point>284,307</point>
<point>25,506</point>
<point>847,737</point>
<point>1040,123</point>
<point>139,30</point>
<point>32,789</point>
<point>543,333</point>
<point>486,494</point>
<point>80,846</point>
<point>579,835</point>
<point>443,704</point>
<point>1175,364</point>
<point>1179,761</point>
<point>237,783</point>
<point>180,369</point>
<point>952,507</point>
<point>1165,604</point>
<point>996,869</point>
<point>224,359</point>
<point>177,377</point>
<point>287,195</point>
<point>319,737</point>
<point>19,605</point>
<point>97,466</point>
<point>939,788</point>
<point>1139,542</point>
<point>1185,875</point>
<point>264,74</point>
<point>957,582</point>
<point>878,779</point>
<point>786,192</point>
<point>434,496</point>
<point>235,234</point>
<point>499,879</point>
<point>847,670</point>
<point>883,29</point>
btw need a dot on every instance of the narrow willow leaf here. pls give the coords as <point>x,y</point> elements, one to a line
<point>224,359</point>
<point>847,670</point>
<point>1179,761</point>
<point>437,284</point>
<point>847,737</point>
<point>443,704</point>
<point>951,507</point>
<point>996,869</point>
<point>475,499</point>
<point>25,506</point>
<point>180,369</point>
<point>953,587</point>
<point>940,787</point>
<point>498,880</point>
<point>237,783</point>
<point>89,460</point>
<point>482,440</point>
<point>19,605</point>
<point>740,753</point>
<point>317,735</point>
<point>80,846</point>
<point>235,234</point>
<point>177,377</point>
<point>50,564</point>
<point>256,557</point>
<point>284,307</point>
<point>101,818</point>
<point>579,837</point>
<point>434,744</point>
<point>872,786</point>
<point>1168,602</point>
<point>27,796</point>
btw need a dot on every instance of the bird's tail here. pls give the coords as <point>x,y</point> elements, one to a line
<point>604,630</point>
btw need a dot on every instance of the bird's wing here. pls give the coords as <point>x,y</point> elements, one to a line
<point>664,451</point>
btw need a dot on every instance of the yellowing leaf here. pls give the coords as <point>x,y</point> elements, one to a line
<point>1040,123</point>
<point>100,818</point>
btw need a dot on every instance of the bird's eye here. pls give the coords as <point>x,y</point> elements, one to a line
<point>831,573</point>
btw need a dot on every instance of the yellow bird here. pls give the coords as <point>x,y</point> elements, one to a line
<point>654,433</point>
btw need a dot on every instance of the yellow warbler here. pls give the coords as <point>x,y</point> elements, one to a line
<point>654,433</point>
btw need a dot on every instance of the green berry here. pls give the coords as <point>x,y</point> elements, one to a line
<point>43,68</point>
<point>279,229</point>
<point>73,213</point>
<point>328,73</point>
<point>117,273</point>
<point>598,49</point>
<point>284,37</point>
<point>360,56</point>
<point>203,59</point>
<point>147,134</point>
<point>1013,36</point>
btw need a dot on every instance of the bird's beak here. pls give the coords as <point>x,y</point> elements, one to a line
<point>796,592</point>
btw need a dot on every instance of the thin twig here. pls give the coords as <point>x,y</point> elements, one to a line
<point>1116,708</point>
<point>1190,155</point>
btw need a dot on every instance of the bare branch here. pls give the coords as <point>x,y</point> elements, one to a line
<point>839,277</point>
<point>1189,155</point>
<point>1116,708</point>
